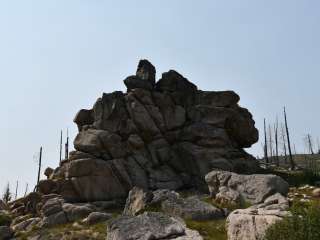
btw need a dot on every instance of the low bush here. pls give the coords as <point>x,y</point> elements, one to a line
<point>5,219</point>
<point>304,224</point>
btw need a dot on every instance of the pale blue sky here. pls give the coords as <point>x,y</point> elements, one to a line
<point>57,57</point>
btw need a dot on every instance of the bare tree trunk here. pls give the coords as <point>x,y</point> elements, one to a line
<point>60,146</point>
<point>67,146</point>
<point>276,141</point>
<point>17,185</point>
<point>283,136</point>
<point>265,142</point>
<point>39,170</point>
<point>26,190</point>
<point>310,144</point>
<point>271,145</point>
<point>292,163</point>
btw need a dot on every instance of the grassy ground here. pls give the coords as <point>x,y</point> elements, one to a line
<point>69,232</point>
<point>209,230</point>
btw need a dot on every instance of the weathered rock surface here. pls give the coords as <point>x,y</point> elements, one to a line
<point>149,226</point>
<point>191,208</point>
<point>237,188</point>
<point>56,211</point>
<point>252,223</point>
<point>165,134</point>
<point>5,233</point>
<point>96,217</point>
<point>137,201</point>
<point>316,193</point>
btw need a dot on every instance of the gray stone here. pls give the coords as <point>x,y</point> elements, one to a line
<point>48,172</point>
<point>137,200</point>
<point>191,208</point>
<point>54,220</point>
<point>253,188</point>
<point>173,81</point>
<point>253,222</point>
<point>146,71</point>
<point>97,217</point>
<point>149,226</point>
<point>5,233</point>
<point>84,117</point>
<point>75,212</point>
<point>133,82</point>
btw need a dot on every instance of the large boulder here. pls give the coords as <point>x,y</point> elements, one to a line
<point>253,222</point>
<point>253,188</point>
<point>165,134</point>
<point>149,226</point>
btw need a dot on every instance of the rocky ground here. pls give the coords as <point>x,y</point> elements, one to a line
<point>237,207</point>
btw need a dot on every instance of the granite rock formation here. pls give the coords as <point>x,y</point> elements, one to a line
<point>164,134</point>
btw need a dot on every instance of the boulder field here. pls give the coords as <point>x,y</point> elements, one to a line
<point>158,135</point>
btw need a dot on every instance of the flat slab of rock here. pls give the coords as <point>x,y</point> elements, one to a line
<point>149,226</point>
<point>253,188</point>
<point>191,208</point>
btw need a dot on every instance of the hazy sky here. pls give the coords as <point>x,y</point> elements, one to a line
<point>59,56</point>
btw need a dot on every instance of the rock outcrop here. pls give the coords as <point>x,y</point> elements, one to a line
<point>240,188</point>
<point>159,135</point>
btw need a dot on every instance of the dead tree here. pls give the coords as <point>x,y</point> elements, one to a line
<point>16,195</point>
<point>60,147</point>
<point>7,196</point>
<point>265,142</point>
<point>310,144</point>
<point>276,126</point>
<point>67,146</point>
<point>271,145</point>
<point>39,169</point>
<point>284,146</point>
<point>292,163</point>
<point>26,190</point>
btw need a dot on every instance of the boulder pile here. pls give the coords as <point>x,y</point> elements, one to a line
<point>158,135</point>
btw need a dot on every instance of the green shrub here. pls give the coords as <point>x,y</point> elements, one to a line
<point>5,219</point>
<point>304,224</point>
<point>209,230</point>
<point>295,178</point>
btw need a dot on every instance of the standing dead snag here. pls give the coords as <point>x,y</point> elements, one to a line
<point>39,170</point>
<point>17,185</point>
<point>60,147</point>
<point>67,146</point>
<point>288,139</point>
<point>271,145</point>
<point>283,138</point>
<point>7,196</point>
<point>265,142</point>
<point>310,144</point>
<point>276,126</point>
